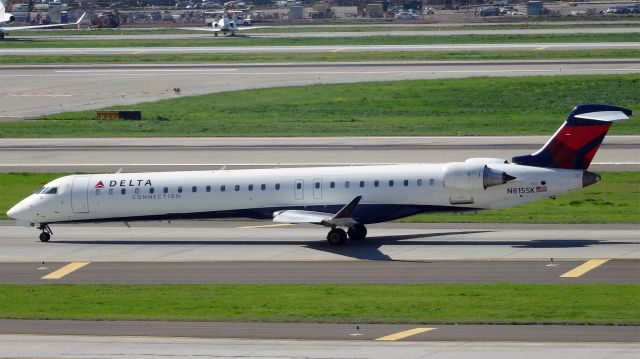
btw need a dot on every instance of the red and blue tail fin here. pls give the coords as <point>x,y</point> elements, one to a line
<point>576,142</point>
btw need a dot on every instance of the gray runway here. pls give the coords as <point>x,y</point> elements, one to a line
<point>213,241</point>
<point>321,48</point>
<point>72,346</point>
<point>319,272</point>
<point>617,153</point>
<point>328,332</point>
<point>27,90</point>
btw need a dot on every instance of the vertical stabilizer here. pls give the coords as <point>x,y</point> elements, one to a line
<point>576,142</point>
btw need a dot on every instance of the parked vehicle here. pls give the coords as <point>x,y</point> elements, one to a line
<point>492,11</point>
<point>406,15</point>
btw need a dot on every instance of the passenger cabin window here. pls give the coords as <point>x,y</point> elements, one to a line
<point>361,183</point>
<point>179,189</point>
<point>346,184</point>
<point>263,187</point>
<point>332,185</point>
<point>390,183</point>
<point>317,184</point>
<point>419,182</point>
<point>208,189</point>
<point>298,185</point>
<point>97,191</point>
<point>165,190</point>
<point>223,188</point>
<point>110,191</point>
<point>250,187</point>
<point>376,183</point>
<point>137,190</point>
<point>123,191</point>
<point>194,189</point>
<point>406,183</point>
<point>431,181</point>
<point>237,188</point>
<point>152,190</point>
<point>277,186</point>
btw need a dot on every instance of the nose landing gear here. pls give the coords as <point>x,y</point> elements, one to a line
<point>46,232</point>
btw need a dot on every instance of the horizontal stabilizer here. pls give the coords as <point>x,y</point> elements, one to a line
<point>606,116</point>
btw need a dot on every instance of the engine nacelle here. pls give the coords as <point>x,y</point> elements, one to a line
<point>472,176</point>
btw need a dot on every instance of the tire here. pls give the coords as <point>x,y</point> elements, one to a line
<point>357,232</point>
<point>45,237</point>
<point>336,237</point>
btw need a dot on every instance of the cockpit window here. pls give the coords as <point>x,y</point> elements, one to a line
<point>38,190</point>
<point>50,190</point>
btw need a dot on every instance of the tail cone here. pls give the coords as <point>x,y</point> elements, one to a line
<point>589,178</point>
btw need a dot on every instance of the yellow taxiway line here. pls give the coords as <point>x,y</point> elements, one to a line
<point>584,268</point>
<point>406,333</point>
<point>73,266</point>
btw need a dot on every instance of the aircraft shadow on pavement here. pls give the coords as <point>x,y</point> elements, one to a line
<point>15,39</point>
<point>369,249</point>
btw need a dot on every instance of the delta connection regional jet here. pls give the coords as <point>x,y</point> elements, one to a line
<point>8,18</point>
<point>336,197</point>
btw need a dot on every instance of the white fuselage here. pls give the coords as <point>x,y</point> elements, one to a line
<point>388,192</point>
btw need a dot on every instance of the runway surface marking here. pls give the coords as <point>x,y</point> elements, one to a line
<point>405,334</point>
<point>268,225</point>
<point>69,268</point>
<point>584,268</point>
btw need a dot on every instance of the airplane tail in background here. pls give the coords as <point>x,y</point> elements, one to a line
<point>576,142</point>
<point>4,17</point>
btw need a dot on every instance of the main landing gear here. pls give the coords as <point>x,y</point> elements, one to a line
<point>46,234</point>
<point>337,236</point>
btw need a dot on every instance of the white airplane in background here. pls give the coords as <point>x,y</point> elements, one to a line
<point>335,197</point>
<point>225,24</point>
<point>8,18</point>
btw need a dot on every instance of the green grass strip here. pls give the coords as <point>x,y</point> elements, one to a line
<point>616,199</point>
<point>321,57</point>
<point>306,41</point>
<point>534,105</point>
<point>446,303</point>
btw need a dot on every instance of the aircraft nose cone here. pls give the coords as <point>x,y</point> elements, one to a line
<point>20,211</point>
<point>14,212</point>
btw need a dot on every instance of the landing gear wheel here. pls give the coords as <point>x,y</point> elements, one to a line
<point>336,237</point>
<point>357,232</point>
<point>45,237</point>
<point>215,34</point>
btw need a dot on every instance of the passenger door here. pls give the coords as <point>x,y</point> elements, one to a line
<point>80,194</point>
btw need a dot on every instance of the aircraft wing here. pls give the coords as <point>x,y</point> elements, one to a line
<point>343,218</point>
<point>31,27</point>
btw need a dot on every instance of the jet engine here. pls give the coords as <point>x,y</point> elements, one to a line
<point>472,175</point>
